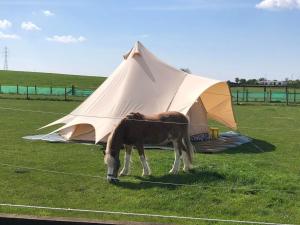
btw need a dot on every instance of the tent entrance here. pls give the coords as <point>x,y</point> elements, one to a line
<point>198,127</point>
<point>79,132</point>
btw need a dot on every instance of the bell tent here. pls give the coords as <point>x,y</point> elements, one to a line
<point>143,83</point>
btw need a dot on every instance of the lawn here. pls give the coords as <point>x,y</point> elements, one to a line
<point>256,182</point>
<point>49,79</point>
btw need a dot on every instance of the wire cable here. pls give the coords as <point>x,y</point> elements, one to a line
<point>139,214</point>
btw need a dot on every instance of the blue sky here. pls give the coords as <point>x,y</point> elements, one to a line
<point>221,39</point>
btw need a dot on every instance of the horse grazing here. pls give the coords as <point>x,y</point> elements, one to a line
<point>137,129</point>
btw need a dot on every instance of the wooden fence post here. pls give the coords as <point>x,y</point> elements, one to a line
<point>294,94</point>
<point>73,90</point>
<point>247,95</point>
<point>237,96</point>
<point>17,89</point>
<point>231,96</point>
<point>265,89</point>
<point>287,95</point>
<point>27,92</point>
<point>65,94</point>
<point>270,95</point>
<point>50,90</point>
<point>35,89</point>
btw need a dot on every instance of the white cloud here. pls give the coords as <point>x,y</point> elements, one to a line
<point>29,26</point>
<point>143,36</point>
<point>66,39</point>
<point>8,36</point>
<point>5,24</point>
<point>48,13</point>
<point>279,4</point>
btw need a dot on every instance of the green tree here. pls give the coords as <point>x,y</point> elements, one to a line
<point>252,82</point>
<point>242,81</point>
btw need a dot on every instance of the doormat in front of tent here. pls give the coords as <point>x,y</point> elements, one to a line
<point>225,141</point>
<point>54,138</point>
<point>45,137</point>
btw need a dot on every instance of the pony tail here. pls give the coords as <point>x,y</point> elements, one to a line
<point>187,141</point>
<point>190,148</point>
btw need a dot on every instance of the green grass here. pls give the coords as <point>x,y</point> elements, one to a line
<point>275,129</point>
<point>49,79</point>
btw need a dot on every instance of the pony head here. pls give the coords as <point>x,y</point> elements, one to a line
<point>112,161</point>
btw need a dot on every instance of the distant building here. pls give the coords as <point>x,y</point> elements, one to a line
<point>273,83</point>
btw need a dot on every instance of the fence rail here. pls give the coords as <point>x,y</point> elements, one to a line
<point>30,91</point>
<point>265,94</point>
<point>245,94</point>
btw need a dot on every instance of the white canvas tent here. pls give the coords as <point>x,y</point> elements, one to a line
<point>143,83</point>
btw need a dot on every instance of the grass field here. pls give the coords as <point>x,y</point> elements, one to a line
<point>256,183</point>
<point>49,79</point>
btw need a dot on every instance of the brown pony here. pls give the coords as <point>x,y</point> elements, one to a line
<point>137,129</point>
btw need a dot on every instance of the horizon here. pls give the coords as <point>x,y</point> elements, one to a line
<point>104,76</point>
<point>246,39</point>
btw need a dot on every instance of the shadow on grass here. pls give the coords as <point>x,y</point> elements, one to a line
<point>255,147</point>
<point>167,181</point>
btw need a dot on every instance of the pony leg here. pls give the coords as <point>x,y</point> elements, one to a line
<point>187,165</point>
<point>146,168</point>
<point>176,165</point>
<point>125,171</point>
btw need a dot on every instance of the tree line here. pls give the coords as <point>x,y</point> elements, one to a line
<point>261,81</point>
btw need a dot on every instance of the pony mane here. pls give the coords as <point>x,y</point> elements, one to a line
<point>135,116</point>
<point>108,143</point>
<point>111,136</point>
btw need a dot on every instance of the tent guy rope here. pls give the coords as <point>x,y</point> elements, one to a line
<point>138,214</point>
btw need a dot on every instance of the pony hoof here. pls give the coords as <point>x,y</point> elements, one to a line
<point>113,180</point>
<point>173,172</point>
<point>187,169</point>
<point>124,173</point>
<point>146,174</point>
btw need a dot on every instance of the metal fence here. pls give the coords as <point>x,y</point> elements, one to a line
<point>245,94</point>
<point>30,91</point>
<point>265,94</point>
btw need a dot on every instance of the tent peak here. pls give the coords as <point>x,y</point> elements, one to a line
<point>135,50</point>
<point>138,44</point>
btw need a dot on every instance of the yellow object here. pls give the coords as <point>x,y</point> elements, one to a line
<point>214,132</point>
